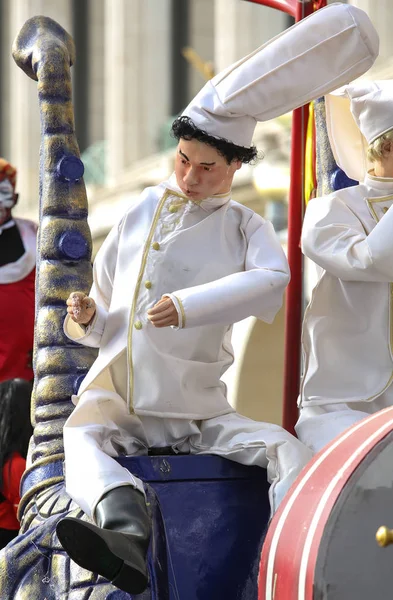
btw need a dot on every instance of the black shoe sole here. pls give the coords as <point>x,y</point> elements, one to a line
<point>104,552</point>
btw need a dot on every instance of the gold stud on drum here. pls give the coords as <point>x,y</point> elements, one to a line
<point>384,537</point>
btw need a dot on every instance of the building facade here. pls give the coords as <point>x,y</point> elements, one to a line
<point>130,78</point>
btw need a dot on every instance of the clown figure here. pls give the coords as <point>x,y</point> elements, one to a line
<point>17,280</point>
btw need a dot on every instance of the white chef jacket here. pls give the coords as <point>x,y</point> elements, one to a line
<point>218,260</point>
<point>348,324</point>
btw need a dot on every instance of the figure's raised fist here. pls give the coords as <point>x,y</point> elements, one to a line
<point>81,308</point>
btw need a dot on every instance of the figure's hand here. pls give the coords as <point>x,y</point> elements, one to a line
<point>163,314</point>
<point>81,308</point>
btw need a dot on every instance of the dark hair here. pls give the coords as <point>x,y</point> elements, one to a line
<point>185,128</point>
<point>15,424</point>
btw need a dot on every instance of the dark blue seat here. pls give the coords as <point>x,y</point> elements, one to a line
<point>210,516</point>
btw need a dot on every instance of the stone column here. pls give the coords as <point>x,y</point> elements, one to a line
<point>241,27</point>
<point>137,84</point>
<point>23,113</point>
<point>6,63</point>
<point>201,40</point>
<point>381,14</point>
<point>96,72</point>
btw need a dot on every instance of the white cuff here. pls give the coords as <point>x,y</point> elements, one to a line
<point>78,333</point>
<point>98,323</point>
<point>180,311</point>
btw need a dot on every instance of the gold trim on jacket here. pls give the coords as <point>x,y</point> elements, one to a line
<point>168,193</point>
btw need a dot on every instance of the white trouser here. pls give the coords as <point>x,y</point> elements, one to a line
<point>319,425</point>
<point>101,427</point>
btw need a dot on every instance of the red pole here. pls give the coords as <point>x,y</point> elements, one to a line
<point>288,6</point>
<point>294,296</point>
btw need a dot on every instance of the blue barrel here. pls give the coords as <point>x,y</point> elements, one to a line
<point>210,517</point>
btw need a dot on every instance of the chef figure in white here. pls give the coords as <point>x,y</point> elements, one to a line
<point>348,325</point>
<point>185,263</point>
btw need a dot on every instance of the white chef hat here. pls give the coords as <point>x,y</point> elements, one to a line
<point>372,107</point>
<point>356,116</point>
<point>329,48</point>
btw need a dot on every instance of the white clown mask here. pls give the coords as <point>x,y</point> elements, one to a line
<point>7,199</point>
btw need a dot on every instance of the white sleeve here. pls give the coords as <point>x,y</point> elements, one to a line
<point>256,291</point>
<point>335,239</point>
<point>103,276</point>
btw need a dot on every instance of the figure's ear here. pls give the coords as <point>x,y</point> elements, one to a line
<point>16,198</point>
<point>386,148</point>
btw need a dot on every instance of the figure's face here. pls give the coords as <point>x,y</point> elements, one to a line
<point>7,200</point>
<point>201,171</point>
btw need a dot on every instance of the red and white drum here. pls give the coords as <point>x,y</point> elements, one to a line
<point>321,544</point>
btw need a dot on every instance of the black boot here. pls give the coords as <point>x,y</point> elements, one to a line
<point>117,548</point>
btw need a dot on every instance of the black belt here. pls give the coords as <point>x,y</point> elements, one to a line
<point>164,450</point>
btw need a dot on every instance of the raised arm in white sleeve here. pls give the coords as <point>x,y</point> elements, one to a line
<point>335,239</point>
<point>256,291</point>
<point>101,291</point>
